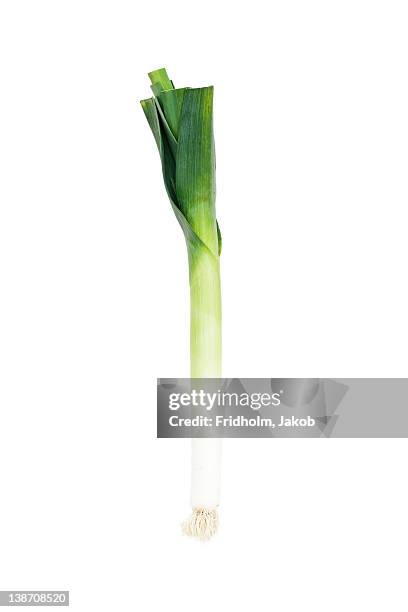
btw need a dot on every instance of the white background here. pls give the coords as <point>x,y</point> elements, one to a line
<point>311,132</point>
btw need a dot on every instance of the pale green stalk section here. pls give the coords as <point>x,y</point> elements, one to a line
<point>205,317</point>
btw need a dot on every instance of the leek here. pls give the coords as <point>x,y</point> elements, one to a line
<point>182,124</point>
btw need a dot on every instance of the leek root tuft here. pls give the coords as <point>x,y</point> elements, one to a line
<point>202,524</point>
